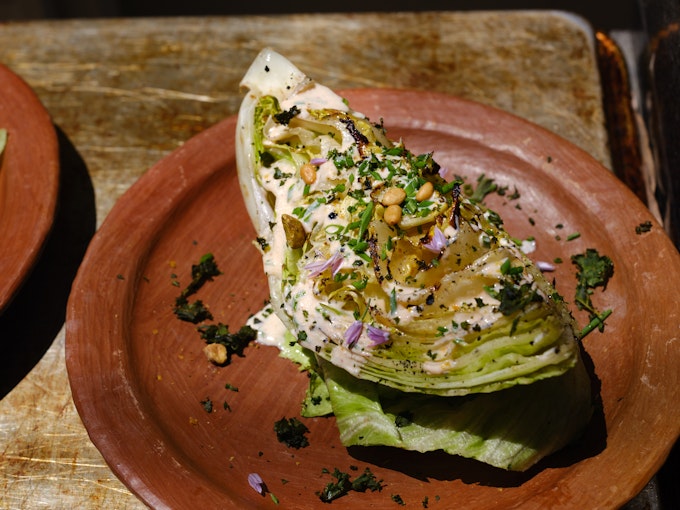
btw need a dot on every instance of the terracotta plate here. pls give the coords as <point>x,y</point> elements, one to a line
<point>29,181</point>
<point>140,380</point>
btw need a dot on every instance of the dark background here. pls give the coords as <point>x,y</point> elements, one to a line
<point>603,14</point>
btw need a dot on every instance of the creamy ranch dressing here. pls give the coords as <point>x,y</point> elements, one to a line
<point>289,196</point>
<point>270,330</point>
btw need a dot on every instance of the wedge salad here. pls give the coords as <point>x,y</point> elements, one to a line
<point>422,323</point>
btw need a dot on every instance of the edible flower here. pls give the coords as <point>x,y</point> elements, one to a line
<point>353,333</point>
<point>318,267</point>
<point>378,336</point>
<point>318,161</point>
<point>438,241</point>
<point>255,481</point>
<point>546,267</point>
<point>446,174</point>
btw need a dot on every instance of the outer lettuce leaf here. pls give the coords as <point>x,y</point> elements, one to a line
<point>510,429</point>
<point>317,400</point>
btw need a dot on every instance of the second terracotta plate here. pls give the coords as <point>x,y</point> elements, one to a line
<point>29,181</point>
<point>141,382</point>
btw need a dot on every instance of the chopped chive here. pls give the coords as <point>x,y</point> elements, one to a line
<point>366,217</point>
<point>596,321</point>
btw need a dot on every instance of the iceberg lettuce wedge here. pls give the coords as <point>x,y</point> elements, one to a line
<point>396,282</point>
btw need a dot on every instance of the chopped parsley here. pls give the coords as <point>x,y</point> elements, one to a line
<point>234,342</point>
<point>485,186</point>
<point>285,117</point>
<point>291,432</point>
<point>193,312</point>
<point>398,499</point>
<point>594,270</point>
<point>343,484</point>
<point>267,159</point>
<point>196,312</point>
<point>262,243</point>
<point>643,227</point>
<point>203,272</point>
<point>207,405</point>
<point>513,294</point>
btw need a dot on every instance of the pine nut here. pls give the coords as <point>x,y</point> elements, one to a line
<point>308,173</point>
<point>392,214</point>
<point>216,353</point>
<point>393,196</point>
<point>425,191</point>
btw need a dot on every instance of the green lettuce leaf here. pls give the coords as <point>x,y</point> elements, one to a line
<point>510,429</point>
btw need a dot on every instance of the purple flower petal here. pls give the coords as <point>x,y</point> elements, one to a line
<point>378,336</point>
<point>438,241</point>
<point>546,267</point>
<point>319,266</point>
<point>255,481</point>
<point>353,333</point>
<point>336,263</point>
<point>318,161</point>
<point>446,174</point>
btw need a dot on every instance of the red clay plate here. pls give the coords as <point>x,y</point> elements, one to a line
<point>139,376</point>
<point>29,181</point>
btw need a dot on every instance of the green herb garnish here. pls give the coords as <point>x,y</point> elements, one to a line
<point>203,272</point>
<point>207,405</point>
<point>193,312</point>
<point>234,342</point>
<point>285,117</point>
<point>594,270</point>
<point>485,186</point>
<point>643,227</point>
<point>398,499</point>
<point>291,432</point>
<point>343,485</point>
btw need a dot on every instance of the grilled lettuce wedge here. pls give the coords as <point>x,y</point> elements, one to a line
<point>425,325</point>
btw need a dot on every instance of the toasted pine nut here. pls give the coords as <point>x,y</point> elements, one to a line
<point>392,214</point>
<point>425,191</point>
<point>393,196</point>
<point>216,353</point>
<point>308,173</point>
